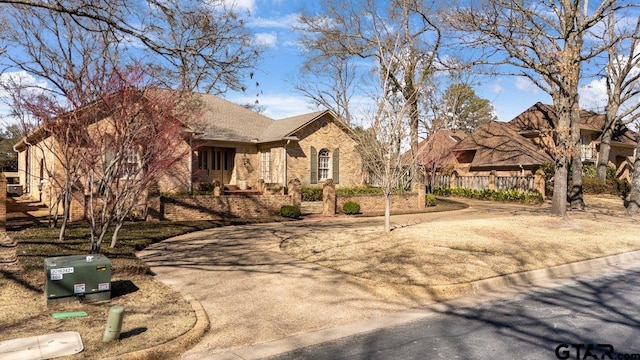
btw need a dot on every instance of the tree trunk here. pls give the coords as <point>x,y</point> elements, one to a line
<point>605,141</point>
<point>603,155</point>
<point>387,212</point>
<point>114,236</point>
<point>634,198</point>
<point>65,214</point>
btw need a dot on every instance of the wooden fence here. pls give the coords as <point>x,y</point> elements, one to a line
<point>492,181</point>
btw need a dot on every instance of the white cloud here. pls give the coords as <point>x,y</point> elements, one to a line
<point>16,79</point>
<point>593,95</point>
<point>524,84</point>
<point>278,106</point>
<point>248,5</point>
<point>266,40</point>
<point>284,22</point>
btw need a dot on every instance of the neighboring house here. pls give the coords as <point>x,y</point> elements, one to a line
<point>434,152</point>
<point>520,146</point>
<point>497,146</point>
<point>233,145</point>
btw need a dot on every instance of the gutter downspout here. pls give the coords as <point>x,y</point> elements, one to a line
<point>284,154</point>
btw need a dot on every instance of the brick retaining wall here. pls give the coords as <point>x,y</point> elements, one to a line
<point>209,207</point>
<point>375,203</point>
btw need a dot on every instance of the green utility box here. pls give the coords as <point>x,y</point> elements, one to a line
<point>87,277</point>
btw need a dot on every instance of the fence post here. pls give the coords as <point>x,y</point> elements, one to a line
<point>422,196</point>
<point>539,182</point>
<point>452,180</point>
<point>492,180</point>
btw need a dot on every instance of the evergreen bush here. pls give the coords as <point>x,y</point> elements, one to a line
<point>290,211</point>
<point>351,208</point>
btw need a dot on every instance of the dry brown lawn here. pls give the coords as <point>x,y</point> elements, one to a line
<point>154,314</point>
<point>471,247</point>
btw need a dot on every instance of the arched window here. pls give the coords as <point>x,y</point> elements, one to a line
<point>323,164</point>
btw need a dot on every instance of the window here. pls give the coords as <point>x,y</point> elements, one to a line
<point>323,164</point>
<point>129,163</point>
<point>265,166</point>
<point>203,159</point>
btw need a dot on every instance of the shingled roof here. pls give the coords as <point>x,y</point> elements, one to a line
<point>541,117</point>
<point>223,120</point>
<point>436,148</point>
<point>499,144</point>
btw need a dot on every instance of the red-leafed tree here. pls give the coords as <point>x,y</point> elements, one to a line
<point>134,143</point>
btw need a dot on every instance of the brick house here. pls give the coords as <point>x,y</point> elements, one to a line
<point>521,145</point>
<point>231,144</point>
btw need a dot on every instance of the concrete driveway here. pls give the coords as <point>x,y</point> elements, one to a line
<point>254,293</point>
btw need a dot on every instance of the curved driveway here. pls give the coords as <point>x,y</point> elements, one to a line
<point>254,293</point>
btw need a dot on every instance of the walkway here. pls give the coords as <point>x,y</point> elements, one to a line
<point>255,293</point>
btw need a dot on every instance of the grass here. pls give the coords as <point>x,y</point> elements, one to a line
<point>467,247</point>
<point>154,313</point>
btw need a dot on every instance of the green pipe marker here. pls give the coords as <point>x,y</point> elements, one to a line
<point>114,323</point>
<point>67,315</point>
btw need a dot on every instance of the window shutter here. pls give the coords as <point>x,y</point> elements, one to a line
<point>314,166</point>
<point>336,166</point>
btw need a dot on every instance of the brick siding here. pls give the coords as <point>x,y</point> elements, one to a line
<point>209,207</point>
<point>375,203</point>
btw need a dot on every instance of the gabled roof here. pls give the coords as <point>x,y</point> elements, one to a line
<point>436,148</point>
<point>541,117</point>
<point>499,144</point>
<point>289,126</point>
<point>223,120</point>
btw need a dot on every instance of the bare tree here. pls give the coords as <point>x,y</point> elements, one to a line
<point>622,79</point>
<point>334,89</point>
<point>401,36</point>
<point>198,45</point>
<point>135,140</point>
<point>544,42</point>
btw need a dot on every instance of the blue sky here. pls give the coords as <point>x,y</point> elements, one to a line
<point>272,22</point>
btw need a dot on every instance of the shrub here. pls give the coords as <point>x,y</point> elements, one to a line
<point>311,194</point>
<point>290,211</point>
<point>430,200</point>
<point>495,195</point>
<point>351,208</point>
<point>611,186</point>
<point>358,190</point>
<point>589,170</point>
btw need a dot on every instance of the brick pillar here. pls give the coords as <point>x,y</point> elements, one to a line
<point>422,196</point>
<point>295,191</point>
<point>492,180</point>
<point>539,182</point>
<point>328,198</point>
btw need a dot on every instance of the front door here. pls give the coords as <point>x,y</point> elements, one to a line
<point>216,164</point>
